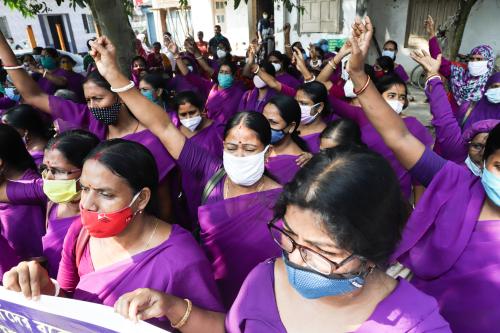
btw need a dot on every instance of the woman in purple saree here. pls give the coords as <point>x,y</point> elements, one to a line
<point>134,249</point>
<point>257,98</point>
<point>450,242</point>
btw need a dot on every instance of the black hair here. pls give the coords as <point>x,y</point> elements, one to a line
<point>65,56</point>
<point>386,63</point>
<point>134,163</point>
<point>252,120</point>
<point>75,145</point>
<point>317,92</point>
<point>269,68</point>
<point>387,81</point>
<point>52,52</point>
<point>3,75</point>
<point>357,196</point>
<point>188,97</point>
<point>13,152</point>
<point>37,50</point>
<point>285,62</point>
<point>157,44</point>
<point>296,44</point>
<point>28,55</point>
<point>25,117</point>
<point>134,59</point>
<point>99,80</point>
<point>231,65</point>
<point>343,131</point>
<point>492,143</point>
<point>370,72</point>
<point>392,42</point>
<point>289,110</point>
<point>157,81</point>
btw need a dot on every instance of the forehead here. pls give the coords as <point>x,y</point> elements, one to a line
<point>54,157</point>
<point>242,134</point>
<point>301,95</point>
<point>187,107</point>
<point>144,84</point>
<point>389,46</point>
<point>480,138</point>
<point>225,68</point>
<point>271,111</point>
<point>273,58</point>
<point>92,89</point>
<point>397,89</point>
<point>97,175</point>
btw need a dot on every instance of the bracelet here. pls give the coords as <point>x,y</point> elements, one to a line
<point>57,286</point>
<point>184,318</point>
<point>288,45</point>
<point>432,77</point>
<point>13,67</point>
<point>44,73</point>
<point>311,80</point>
<point>362,90</point>
<point>124,89</point>
<point>333,65</point>
<point>257,71</point>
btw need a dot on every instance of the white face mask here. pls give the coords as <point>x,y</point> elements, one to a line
<point>397,106</point>
<point>257,81</point>
<point>477,68</point>
<point>190,68</point>
<point>246,170</point>
<point>473,167</point>
<point>345,75</point>
<point>277,67</point>
<point>191,123</point>
<point>315,64</point>
<point>389,53</point>
<point>265,16</point>
<point>305,114</point>
<point>221,53</point>
<point>493,95</point>
<point>349,89</point>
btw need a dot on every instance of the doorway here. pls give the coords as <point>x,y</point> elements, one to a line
<point>52,21</point>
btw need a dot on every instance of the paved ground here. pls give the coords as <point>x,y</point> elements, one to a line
<point>419,108</point>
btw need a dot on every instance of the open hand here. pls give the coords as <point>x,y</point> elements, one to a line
<point>286,28</point>
<point>173,48</point>
<point>430,64</point>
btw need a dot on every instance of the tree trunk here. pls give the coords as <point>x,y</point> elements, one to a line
<point>114,23</point>
<point>456,30</point>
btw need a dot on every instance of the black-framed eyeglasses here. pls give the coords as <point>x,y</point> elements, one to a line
<point>311,258</point>
<point>476,146</point>
<point>44,169</point>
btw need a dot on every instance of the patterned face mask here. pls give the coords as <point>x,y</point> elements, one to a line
<point>108,115</point>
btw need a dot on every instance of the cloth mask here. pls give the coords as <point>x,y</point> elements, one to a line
<point>305,114</point>
<point>108,115</point>
<point>491,184</point>
<point>277,67</point>
<point>191,123</point>
<point>48,63</point>
<point>478,68</point>
<point>104,225</point>
<point>389,53</point>
<point>258,82</point>
<point>149,95</point>
<point>277,136</point>
<point>60,190</point>
<point>349,89</point>
<point>473,167</point>
<point>12,94</point>
<point>312,285</point>
<point>225,80</point>
<point>221,53</point>
<point>397,106</point>
<point>493,95</point>
<point>245,170</point>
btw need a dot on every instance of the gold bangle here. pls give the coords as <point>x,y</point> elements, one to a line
<point>184,318</point>
<point>362,90</point>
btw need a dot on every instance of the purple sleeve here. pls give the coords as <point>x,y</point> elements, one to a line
<point>287,90</point>
<point>67,276</point>
<point>448,132</point>
<point>6,102</point>
<point>198,162</point>
<point>26,192</point>
<point>401,72</point>
<point>346,110</point>
<point>72,112</point>
<point>427,167</point>
<point>203,84</point>
<point>243,101</point>
<point>435,50</point>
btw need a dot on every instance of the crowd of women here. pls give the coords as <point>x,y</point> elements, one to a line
<point>290,195</point>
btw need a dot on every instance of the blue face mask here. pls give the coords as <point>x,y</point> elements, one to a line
<point>491,184</point>
<point>493,95</point>
<point>48,63</point>
<point>312,285</point>
<point>225,80</point>
<point>389,53</point>
<point>12,94</point>
<point>276,136</point>
<point>149,95</point>
<point>473,167</point>
<point>324,47</point>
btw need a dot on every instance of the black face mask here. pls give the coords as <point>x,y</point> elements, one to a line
<point>107,115</point>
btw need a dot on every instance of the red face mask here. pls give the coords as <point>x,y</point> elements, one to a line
<point>104,225</point>
<point>379,74</point>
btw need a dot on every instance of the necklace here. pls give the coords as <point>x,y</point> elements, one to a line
<point>135,130</point>
<point>152,234</point>
<point>226,187</point>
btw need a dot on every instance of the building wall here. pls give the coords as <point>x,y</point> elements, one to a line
<point>202,18</point>
<point>17,24</point>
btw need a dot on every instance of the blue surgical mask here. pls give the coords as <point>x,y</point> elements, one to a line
<point>12,94</point>
<point>48,63</point>
<point>149,95</point>
<point>491,184</point>
<point>277,136</point>
<point>324,47</point>
<point>389,53</point>
<point>225,80</point>
<point>312,285</point>
<point>493,95</point>
<point>473,167</point>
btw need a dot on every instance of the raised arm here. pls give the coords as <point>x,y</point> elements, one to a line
<point>327,71</point>
<point>191,47</point>
<point>247,70</point>
<point>27,87</point>
<point>391,127</point>
<point>300,64</point>
<point>268,79</point>
<point>288,46</point>
<point>434,48</point>
<point>148,113</point>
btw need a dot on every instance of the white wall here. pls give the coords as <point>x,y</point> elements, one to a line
<point>17,24</point>
<point>483,26</point>
<point>238,26</point>
<point>202,18</point>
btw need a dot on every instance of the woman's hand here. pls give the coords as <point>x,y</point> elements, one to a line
<point>430,26</point>
<point>303,159</point>
<point>430,64</point>
<point>298,60</point>
<point>286,28</point>
<point>30,278</point>
<point>104,54</point>
<point>173,48</point>
<point>143,304</point>
<point>362,34</point>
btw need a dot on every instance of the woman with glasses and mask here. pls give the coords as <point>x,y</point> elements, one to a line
<point>450,242</point>
<point>21,225</point>
<point>337,223</point>
<point>104,114</point>
<point>58,190</point>
<point>237,196</point>
<point>121,247</point>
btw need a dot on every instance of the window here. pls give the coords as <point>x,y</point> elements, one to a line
<point>88,23</point>
<point>440,10</point>
<point>220,19</point>
<point>320,16</point>
<point>220,13</point>
<point>220,4</point>
<point>4,27</point>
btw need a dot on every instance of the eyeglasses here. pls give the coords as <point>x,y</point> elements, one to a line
<point>44,169</point>
<point>476,146</point>
<point>311,258</point>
